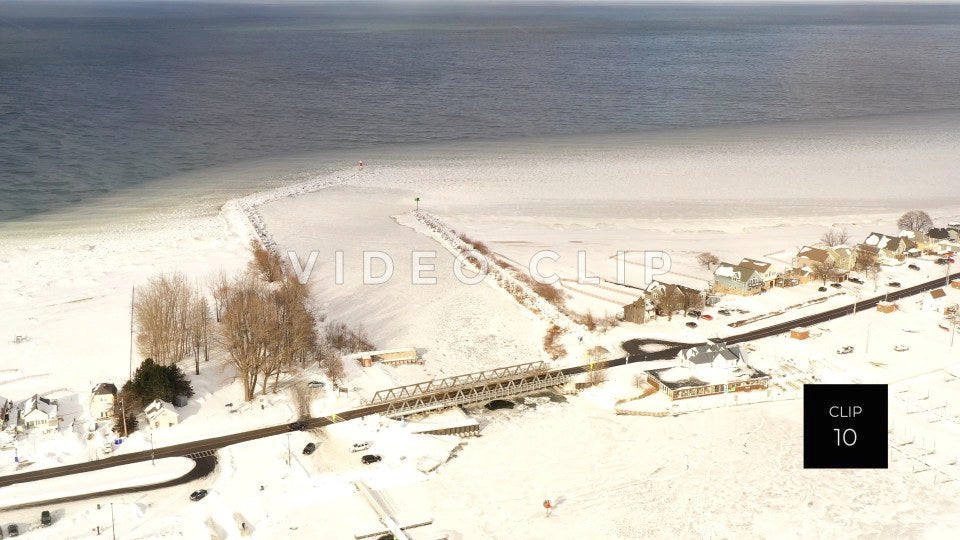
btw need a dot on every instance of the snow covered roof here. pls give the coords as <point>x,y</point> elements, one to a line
<point>707,354</point>
<point>937,293</point>
<point>753,264</point>
<point>104,388</point>
<point>735,271</point>
<point>814,254</point>
<point>157,408</point>
<point>36,403</point>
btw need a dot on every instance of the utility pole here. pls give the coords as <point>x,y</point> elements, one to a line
<point>133,291</point>
<point>867,347</point>
<point>113,524</point>
<point>123,413</point>
<point>151,450</point>
<point>288,450</point>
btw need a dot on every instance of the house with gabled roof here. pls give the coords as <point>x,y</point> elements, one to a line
<point>845,257</point>
<point>706,370</point>
<point>159,414</point>
<point>737,279</point>
<point>692,298</point>
<point>808,256</point>
<point>101,400</point>
<point>37,413</point>
<point>893,247</point>
<point>767,271</point>
<point>944,238</point>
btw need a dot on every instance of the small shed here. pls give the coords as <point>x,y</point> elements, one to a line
<point>366,361</point>
<point>955,284</point>
<point>886,307</point>
<point>800,333</point>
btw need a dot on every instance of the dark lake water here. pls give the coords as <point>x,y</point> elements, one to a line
<point>95,97</point>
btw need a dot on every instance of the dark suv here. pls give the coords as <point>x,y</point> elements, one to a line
<point>45,519</point>
<point>13,530</point>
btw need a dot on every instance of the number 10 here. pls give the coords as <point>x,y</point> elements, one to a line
<point>843,437</point>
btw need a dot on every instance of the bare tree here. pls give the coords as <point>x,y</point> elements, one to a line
<point>824,270</point>
<point>295,333</point>
<point>866,261</point>
<point>708,260</point>
<point>219,285</point>
<point>199,323</point>
<point>332,364</point>
<point>266,263</point>
<point>835,237</point>
<point>915,220</point>
<point>245,330</point>
<point>162,314</point>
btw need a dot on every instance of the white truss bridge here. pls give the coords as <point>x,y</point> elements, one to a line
<point>468,388</point>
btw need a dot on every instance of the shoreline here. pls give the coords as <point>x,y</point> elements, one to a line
<point>685,155</point>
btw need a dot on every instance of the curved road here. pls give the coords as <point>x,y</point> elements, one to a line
<point>215,443</point>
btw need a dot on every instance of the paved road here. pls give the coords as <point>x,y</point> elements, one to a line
<point>215,443</point>
<point>205,465</point>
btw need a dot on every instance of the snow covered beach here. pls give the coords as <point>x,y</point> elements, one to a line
<point>69,296</point>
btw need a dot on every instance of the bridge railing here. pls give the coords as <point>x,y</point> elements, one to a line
<point>458,381</point>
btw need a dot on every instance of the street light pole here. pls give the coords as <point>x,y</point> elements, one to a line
<point>113,524</point>
<point>151,450</point>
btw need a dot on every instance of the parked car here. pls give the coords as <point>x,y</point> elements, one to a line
<point>901,348</point>
<point>856,280</point>
<point>822,289</point>
<point>359,446</point>
<point>198,494</point>
<point>724,312</point>
<point>914,267</point>
<point>367,459</point>
<point>950,260</point>
<point>706,317</point>
<point>845,350</point>
<point>695,313</point>
<point>298,426</point>
<point>836,285</point>
<point>107,448</point>
<point>940,261</point>
<point>13,530</point>
<point>309,449</point>
<point>893,284</point>
<point>316,384</point>
<point>691,324</point>
<point>742,311</point>
<point>45,519</point>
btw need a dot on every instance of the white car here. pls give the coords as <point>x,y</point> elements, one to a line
<point>360,446</point>
<point>107,448</point>
<point>901,348</point>
<point>845,350</point>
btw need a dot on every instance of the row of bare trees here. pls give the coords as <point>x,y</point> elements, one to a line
<point>261,319</point>
<point>174,319</point>
<point>266,326</point>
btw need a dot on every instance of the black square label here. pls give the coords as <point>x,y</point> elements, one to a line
<point>845,426</point>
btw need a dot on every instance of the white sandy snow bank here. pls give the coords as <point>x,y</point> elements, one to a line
<point>120,477</point>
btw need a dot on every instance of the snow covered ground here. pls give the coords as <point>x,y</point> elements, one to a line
<point>721,472</point>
